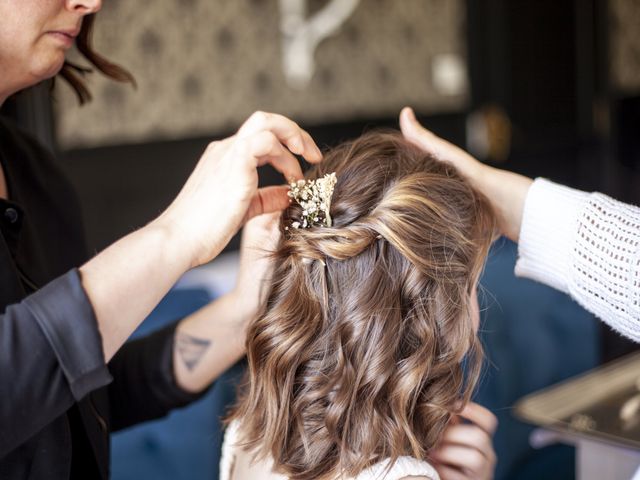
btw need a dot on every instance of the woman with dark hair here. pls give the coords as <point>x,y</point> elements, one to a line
<point>365,354</point>
<point>66,380</point>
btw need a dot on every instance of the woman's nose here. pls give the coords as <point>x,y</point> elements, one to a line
<point>84,6</point>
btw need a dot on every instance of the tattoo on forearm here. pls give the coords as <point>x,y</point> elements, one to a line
<point>191,349</point>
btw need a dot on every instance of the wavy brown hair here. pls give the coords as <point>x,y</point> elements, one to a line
<point>74,74</point>
<point>366,345</point>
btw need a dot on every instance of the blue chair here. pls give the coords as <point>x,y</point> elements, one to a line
<point>186,444</point>
<point>533,336</point>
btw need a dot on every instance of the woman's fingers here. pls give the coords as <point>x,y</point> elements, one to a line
<point>505,190</point>
<point>480,416</point>
<point>265,147</point>
<point>469,436</point>
<point>438,147</point>
<point>460,457</point>
<point>268,200</point>
<point>466,449</point>
<point>286,131</point>
<point>416,133</point>
<point>450,473</point>
<point>469,462</point>
<point>222,191</point>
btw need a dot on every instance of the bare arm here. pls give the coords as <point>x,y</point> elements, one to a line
<point>127,280</point>
<point>505,190</point>
<point>208,342</point>
<point>576,242</point>
<point>212,339</point>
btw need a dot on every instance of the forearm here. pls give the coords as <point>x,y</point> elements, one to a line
<point>128,279</point>
<point>209,341</point>
<point>507,192</point>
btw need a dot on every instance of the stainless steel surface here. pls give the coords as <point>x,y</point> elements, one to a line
<point>600,405</point>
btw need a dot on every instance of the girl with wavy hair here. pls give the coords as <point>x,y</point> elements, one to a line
<point>365,355</point>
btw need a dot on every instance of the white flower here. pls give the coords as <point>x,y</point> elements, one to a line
<point>314,196</point>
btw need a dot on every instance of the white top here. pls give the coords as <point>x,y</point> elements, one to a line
<point>586,245</point>
<point>236,464</point>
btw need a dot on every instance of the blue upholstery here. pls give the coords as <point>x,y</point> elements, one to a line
<point>185,445</point>
<point>533,337</point>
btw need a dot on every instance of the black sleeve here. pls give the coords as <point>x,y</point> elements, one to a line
<point>50,356</point>
<point>144,386</point>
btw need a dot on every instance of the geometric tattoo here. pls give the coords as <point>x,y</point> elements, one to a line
<point>191,349</point>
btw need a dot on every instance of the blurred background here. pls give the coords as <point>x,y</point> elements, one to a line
<point>546,88</point>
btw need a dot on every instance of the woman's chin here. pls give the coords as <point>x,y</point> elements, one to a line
<point>48,68</point>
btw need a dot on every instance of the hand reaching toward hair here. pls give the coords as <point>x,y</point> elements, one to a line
<point>222,192</point>
<point>506,191</point>
<point>224,321</point>
<point>466,450</point>
<point>125,281</point>
<point>260,237</point>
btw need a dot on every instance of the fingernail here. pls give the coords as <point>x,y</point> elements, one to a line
<point>411,114</point>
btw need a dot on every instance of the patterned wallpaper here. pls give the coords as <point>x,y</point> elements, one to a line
<point>624,45</point>
<point>203,66</point>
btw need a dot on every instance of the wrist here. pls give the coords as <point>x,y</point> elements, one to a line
<point>175,243</point>
<point>247,309</point>
<point>186,241</point>
<point>506,192</point>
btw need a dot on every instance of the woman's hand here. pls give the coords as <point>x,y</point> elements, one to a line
<point>260,237</point>
<point>213,338</point>
<point>126,280</point>
<point>506,191</point>
<point>466,449</point>
<point>222,192</point>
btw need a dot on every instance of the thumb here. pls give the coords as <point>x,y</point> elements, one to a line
<point>416,133</point>
<point>268,200</point>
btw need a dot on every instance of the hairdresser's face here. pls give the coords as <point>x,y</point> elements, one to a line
<point>475,308</point>
<point>34,37</point>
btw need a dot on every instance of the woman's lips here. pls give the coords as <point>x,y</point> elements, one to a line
<point>66,38</point>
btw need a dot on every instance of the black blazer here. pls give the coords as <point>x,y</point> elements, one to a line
<point>58,399</point>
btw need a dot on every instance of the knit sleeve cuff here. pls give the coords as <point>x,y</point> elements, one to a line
<point>547,234</point>
<point>65,316</point>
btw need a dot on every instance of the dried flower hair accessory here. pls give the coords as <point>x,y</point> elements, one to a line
<point>314,196</point>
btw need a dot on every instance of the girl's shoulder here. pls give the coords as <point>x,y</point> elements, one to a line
<point>402,468</point>
<point>227,455</point>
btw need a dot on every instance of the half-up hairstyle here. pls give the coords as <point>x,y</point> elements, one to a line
<point>366,346</point>
<point>73,74</point>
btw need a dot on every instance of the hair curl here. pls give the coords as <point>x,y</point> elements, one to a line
<point>358,355</point>
<point>73,74</point>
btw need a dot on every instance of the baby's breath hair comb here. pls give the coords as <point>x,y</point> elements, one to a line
<point>314,196</point>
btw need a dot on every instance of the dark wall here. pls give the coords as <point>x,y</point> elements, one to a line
<point>541,62</point>
<point>546,64</point>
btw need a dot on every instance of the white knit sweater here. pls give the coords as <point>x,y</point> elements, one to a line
<point>586,245</point>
